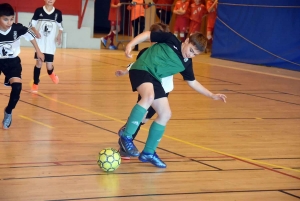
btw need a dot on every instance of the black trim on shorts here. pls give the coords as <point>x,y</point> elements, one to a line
<point>48,57</point>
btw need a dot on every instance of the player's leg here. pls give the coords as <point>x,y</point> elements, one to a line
<point>114,30</point>
<point>168,17</point>
<point>209,38</point>
<point>136,116</point>
<point>138,27</point>
<point>50,68</point>
<point>36,74</point>
<point>176,27</point>
<point>158,12</point>
<point>148,115</point>
<point>104,39</point>
<point>12,71</point>
<point>161,106</point>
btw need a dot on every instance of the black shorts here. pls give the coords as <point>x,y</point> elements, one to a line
<point>11,68</point>
<point>138,77</point>
<point>48,57</point>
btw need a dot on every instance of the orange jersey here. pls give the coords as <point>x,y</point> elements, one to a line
<point>211,18</point>
<point>197,12</point>
<point>113,11</point>
<point>137,10</point>
<point>167,4</point>
<point>184,6</point>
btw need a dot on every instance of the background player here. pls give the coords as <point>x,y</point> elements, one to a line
<point>10,63</point>
<point>44,23</point>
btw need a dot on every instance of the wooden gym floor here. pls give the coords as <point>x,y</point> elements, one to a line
<point>246,149</point>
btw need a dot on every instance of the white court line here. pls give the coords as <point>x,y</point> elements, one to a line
<point>252,71</point>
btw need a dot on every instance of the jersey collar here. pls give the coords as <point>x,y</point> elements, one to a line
<point>49,13</point>
<point>5,32</point>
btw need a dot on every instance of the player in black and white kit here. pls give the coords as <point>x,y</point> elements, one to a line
<point>45,22</point>
<point>10,63</point>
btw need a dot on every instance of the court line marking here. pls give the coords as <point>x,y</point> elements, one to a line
<point>32,120</point>
<point>220,65</point>
<point>247,70</point>
<point>175,139</point>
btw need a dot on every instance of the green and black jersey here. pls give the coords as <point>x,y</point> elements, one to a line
<point>164,58</point>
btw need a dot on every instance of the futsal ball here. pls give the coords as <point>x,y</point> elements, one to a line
<point>109,159</point>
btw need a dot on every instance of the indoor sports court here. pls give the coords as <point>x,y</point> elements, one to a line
<point>246,149</point>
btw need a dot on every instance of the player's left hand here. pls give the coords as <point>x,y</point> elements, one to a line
<point>58,40</point>
<point>219,97</point>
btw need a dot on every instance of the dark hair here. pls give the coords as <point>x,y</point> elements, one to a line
<point>198,40</point>
<point>159,27</point>
<point>6,10</point>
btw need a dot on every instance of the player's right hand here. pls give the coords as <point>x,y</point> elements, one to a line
<point>128,51</point>
<point>119,73</point>
<point>40,56</point>
<point>38,35</point>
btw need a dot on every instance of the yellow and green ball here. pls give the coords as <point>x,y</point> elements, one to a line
<point>109,159</point>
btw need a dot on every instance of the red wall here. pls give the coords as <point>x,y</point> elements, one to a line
<point>68,7</point>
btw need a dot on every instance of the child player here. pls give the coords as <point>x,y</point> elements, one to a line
<point>44,23</point>
<point>10,63</point>
<point>198,10</point>
<point>182,18</point>
<point>114,17</point>
<point>211,6</point>
<point>167,84</point>
<point>167,57</point>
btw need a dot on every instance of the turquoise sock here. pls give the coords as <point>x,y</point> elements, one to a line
<point>136,116</point>
<point>155,134</point>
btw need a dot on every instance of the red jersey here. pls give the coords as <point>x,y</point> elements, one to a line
<point>211,18</point>
<point>197,12</point>
<point>168,4</point>
<point>113,11</point>
<point>184,6</point>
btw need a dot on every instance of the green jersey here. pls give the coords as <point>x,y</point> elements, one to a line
<point>160,61</point>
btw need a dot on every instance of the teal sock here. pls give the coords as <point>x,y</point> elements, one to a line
<point>155,134</point>
<point>136,116</point>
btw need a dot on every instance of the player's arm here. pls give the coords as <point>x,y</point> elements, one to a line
<point>32,26</point>
<point>60,28</point>
<point>201,89</point>
<point>177,11</point>
<point>39,54</point>
<point>58,37</point>
<point>137,40</point>
<point>210,9</point>
<point>115,5</point>
<point>34,22</point>
<point>189,77</point>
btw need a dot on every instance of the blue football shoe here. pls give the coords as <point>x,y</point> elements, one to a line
<point>152,158</point>
<point>126,142</point>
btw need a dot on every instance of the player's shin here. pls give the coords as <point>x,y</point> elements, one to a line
<point>155,134</point>
<point>134,119</point>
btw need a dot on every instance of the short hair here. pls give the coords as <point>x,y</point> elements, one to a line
<point>6,10</point>
<point>159,27</point>
<point>199,41</point>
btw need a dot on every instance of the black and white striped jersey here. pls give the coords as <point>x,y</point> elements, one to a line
<point>10,40</point>
<point>46,23</point>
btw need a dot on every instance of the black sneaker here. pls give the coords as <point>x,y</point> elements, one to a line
<point>126,142</point>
